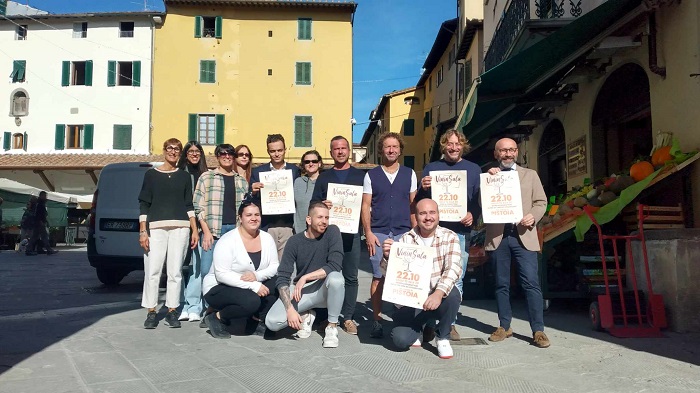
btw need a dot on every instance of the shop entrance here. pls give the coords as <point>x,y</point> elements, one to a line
<point>621,121</point>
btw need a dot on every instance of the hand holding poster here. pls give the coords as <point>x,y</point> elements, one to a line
<point>407,277</point>
<point>347,201</point>
<point>277,196</point>
<point>500,198</point>
<point>449,190</point>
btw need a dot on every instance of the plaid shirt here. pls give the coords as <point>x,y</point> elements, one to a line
<point>209,198</point>
<point>447,265</point>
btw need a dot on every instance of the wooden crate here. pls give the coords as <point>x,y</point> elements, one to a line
<point>658,217</point>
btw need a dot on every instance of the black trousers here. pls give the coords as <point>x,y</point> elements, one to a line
<point>234,303</point>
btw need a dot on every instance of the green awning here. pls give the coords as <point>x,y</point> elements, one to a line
<point>508,91</point>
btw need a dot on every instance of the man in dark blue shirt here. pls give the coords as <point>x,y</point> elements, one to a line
<point>453,144</point>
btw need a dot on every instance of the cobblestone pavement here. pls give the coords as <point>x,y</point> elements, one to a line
<point>62,331</point>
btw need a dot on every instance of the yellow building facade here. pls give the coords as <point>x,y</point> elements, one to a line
<point>234,72</point>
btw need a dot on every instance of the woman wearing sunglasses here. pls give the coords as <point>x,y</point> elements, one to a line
<point>243,165</point>
<point>311,164</point>
<point>215,199</point>
<point>166,225</point>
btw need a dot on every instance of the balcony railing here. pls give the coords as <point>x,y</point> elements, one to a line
<point>519,11</point>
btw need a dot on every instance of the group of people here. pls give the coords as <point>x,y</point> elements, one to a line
<point>34,235</point>
<point>276,270</point>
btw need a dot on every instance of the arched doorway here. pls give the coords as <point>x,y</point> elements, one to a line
<point>551,159</point>
<point>621,121</point>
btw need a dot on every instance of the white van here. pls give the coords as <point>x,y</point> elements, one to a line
<point>113,237</point>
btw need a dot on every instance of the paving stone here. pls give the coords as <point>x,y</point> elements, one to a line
<point>211,385</point>
<point>387,367</point>
<point>175,367</point>
<point>104,367</point>
<point>41,365</point>
<point>56,384</point>
<point>135,386</point>
<point>276,379</point>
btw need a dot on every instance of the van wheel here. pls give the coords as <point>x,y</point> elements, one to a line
<point>110,277</point>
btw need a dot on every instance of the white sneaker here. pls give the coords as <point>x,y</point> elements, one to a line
<point>444,349</point>
<point>194,317</point>
<point>330,340</point>
<point>307,321</point>
<point>417,344</point>
<point>183,317</point>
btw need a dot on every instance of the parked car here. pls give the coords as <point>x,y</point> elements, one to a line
<point>113,236</point>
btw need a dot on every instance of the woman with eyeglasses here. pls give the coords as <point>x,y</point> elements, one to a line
<point>242,281</point>
<point>311,164</point>
<point>215,198</point>
<point>192,161</point>
<point>243,165</point>
<point>167,224</point>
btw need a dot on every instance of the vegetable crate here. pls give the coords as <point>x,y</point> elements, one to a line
<point>627,313</point>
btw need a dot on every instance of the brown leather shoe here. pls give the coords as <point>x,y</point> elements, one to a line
<point>501,334</point>
<point>540,340</point>
<point>454,334</point>
<point>350,327</point>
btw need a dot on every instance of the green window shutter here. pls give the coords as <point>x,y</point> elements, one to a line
<point>122,137</point>
<point>6,140</point>
<point>303,73</point>
<point>192,127</point>
<point>60,141</point>
<point>299,74</point>
<point>307,75</point>
<point>207,71</point>
<point>308,29</point>
<point>302,131</point>
<point>21,70</point>
<point>425,119</point>
<point>88,73</point>
<point>218,27</point>
<point>212,72</point>
<point>197,27</point>
<point>88,136</point>
<point>136,73</point>
<point>65,74</point>
<point>15,70</point>
<point>408,127</point>
<point>202,71</point>
<point>304,29</point>
<point>220,129</point>
<point>111,73</point>
<point>24,142</point>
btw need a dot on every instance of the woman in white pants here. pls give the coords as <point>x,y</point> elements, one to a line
<point>167,217</point>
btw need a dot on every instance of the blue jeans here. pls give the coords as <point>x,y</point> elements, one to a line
<point>379,253</point>
<point>526,261</point>
<point>201,264</point>
<point>409,322</point>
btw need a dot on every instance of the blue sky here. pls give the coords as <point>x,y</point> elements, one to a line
<point>391,41</point>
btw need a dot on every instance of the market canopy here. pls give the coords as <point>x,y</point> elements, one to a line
<point>509,90</point>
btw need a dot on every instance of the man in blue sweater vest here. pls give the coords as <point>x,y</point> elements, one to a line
<point>387,201</point>
<point>343,173</point>
<point>453,144</point>
<point>280,226</point>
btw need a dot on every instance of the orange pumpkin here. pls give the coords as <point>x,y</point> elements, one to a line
<point>640,170</point>
<point>661,156</point>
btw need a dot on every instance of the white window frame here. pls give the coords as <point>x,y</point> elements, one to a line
<point>209,129</point>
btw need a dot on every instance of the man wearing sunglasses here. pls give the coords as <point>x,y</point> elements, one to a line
<point>343,173</point>
<point>280,226</point>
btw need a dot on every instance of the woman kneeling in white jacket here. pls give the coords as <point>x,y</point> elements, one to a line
<point>242,279</point>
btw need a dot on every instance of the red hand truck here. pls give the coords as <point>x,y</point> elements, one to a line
<point>626,314</point>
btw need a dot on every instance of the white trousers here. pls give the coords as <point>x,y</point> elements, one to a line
<point>166,245</point>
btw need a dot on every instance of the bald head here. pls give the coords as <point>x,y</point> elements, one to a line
<point>427,217</point>
<point>426,203</point>
<point>506,152</point>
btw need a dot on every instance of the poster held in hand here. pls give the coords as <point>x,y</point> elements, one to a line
<point>407,277</point>
<point>277,196</point>
<point>449,191</point>
<point>501,201</point>
<point>347,201</point>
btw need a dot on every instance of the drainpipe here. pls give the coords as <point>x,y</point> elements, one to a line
<point>653,56</point>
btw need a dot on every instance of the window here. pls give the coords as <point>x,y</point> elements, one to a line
<point>426,119</point>
<point>208,27</point>
<point>80,30</point>
<point>20,104</point>
<point>304,29</point>
<point>19,68</point>
<point>18,141</point>
<point>439,76</point>
<point>123,73</point>
<point>269,33</point>
<point>409,161</point>
<point>449,109</point>
<point>126,29</point>
<point>208,129</point>
<point>409,127</point>
<point>77,136</point>
<point>467,75</point>
<point>303,73</point>
<point>207,71</point>
<point>269,71</point>
<point>451,58</point>
<point>121,139</point>
<point>77,73</point>
<point>302,131</point>
<point>21,33</point>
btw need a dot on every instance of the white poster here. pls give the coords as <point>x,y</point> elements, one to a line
<point>347,201</point>
<point>407,278</point>
<point>449,190</point>
<point>500,198</point>
<point>277,196</point>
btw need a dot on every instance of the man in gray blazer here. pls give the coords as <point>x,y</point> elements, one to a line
<point>518,240</point>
